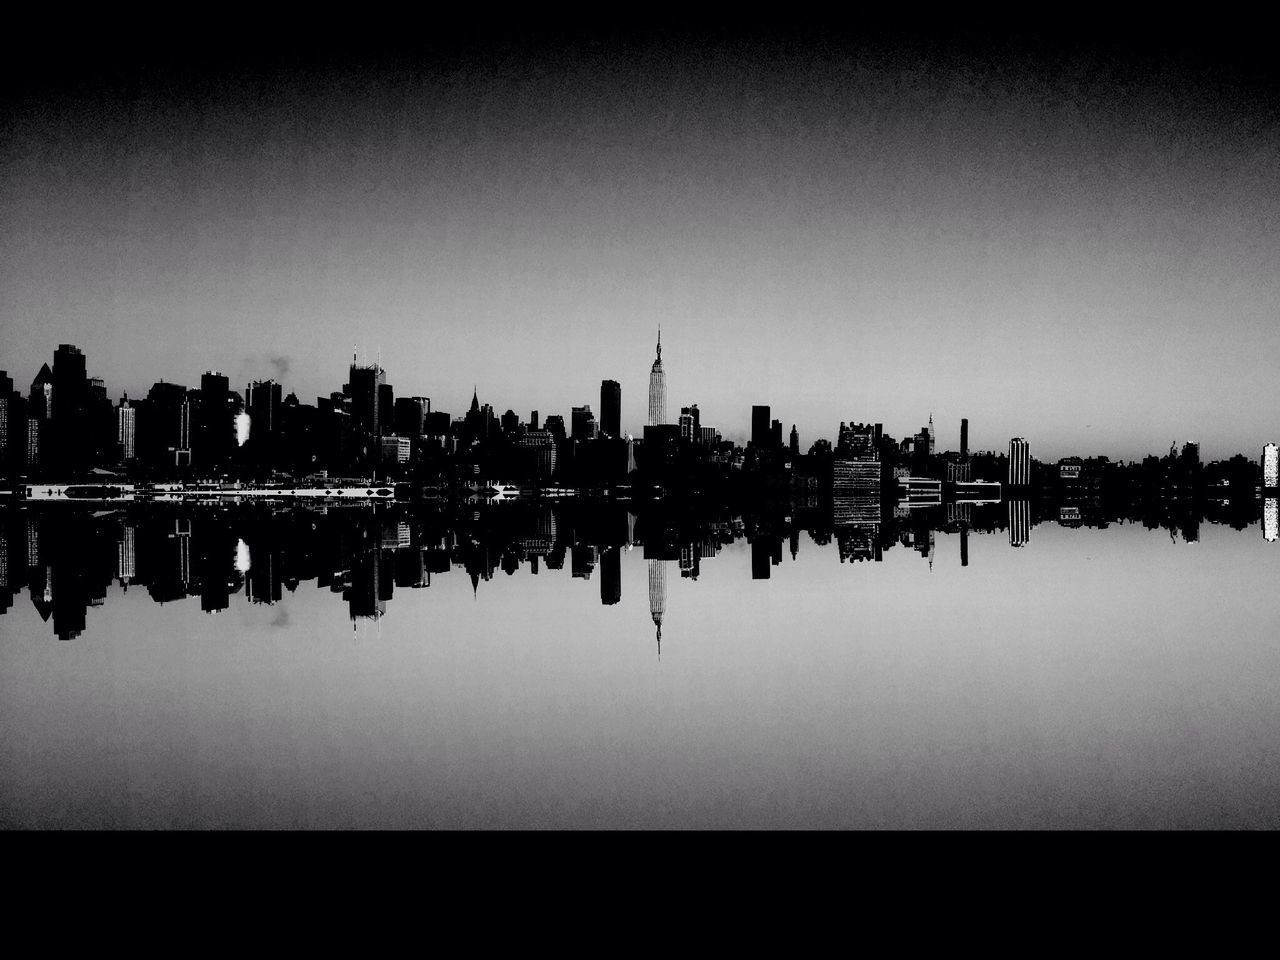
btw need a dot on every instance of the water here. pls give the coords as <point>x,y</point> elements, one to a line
<point>1115,677</point>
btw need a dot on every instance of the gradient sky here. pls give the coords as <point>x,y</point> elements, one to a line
<point>1067,243</point>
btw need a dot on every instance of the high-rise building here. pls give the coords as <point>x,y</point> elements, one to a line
<point>794,444</point>
<point>1270,520</point>
<point>1019,462</point>
<point>533,420</point>
<point>166,433</point>
<point>214,429</point>
<point>964,436</point>
<point>657,389</point>
<point>583,423</point>
<point>690,424</point>
<point>40,399</point>
<point>1270,466</point>
<point>262,402</point>
<point>126,430</point>
<point>364,388</point>
<point>658,596</point>
<point>6,402</point>
<point>760,426</point>
<point>611,408</point>
<point>410,415</point>
<point>775,434</point>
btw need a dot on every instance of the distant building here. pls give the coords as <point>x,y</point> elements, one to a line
<point>364,388</point>
<point>690,424</point>
<point>611,408</point>
<point>126,429</point>
<point>410,416</point>
<point>262,401</point>
<point>1019,462</point>
<point>794,444</point>
<point>658,389</point>
<point>1270,466</point>
<point>538,448</point>
<point>583,422</point>
<point>760,431</point>
<point>395,449</point>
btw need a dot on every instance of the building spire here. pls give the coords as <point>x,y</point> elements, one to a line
<point>659,341</point>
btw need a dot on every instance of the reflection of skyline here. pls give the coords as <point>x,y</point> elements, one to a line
<point>67,559</point>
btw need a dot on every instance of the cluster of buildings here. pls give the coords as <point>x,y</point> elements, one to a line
<point>65,427</point>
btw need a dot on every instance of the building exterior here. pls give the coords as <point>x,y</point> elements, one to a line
<point>126,430</point>
<point>760,431</point>
<point>690,424</point>
<point>611,408</point>
<point>395,449</point>
<point>538,447</point>
<point>658,389</point>
<point>794,441</point>
<point>262,401</point>
<point>1019,463</point>
<point>1271,466</point>
<point>364,387</point>
<point>410,416</point>
<point>583,423</point>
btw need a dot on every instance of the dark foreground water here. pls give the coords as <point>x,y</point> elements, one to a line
<point>381,669</point>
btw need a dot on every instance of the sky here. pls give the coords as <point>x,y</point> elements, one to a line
<point>1072,242</point>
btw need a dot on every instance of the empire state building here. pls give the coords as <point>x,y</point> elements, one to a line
<point>657,389</point>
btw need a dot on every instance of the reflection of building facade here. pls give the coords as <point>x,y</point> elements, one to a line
<point>658,596</point>
<point>1019,522</point>
<point>1271,519</point>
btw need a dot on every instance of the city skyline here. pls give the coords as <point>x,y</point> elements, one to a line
<point>1045,239</point>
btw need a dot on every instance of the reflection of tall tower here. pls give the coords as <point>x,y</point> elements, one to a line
<point>657,389</point>
<point>1019,522</point>
<point>610,576</point>
<point>658,596</point>
<point>1270,520</point>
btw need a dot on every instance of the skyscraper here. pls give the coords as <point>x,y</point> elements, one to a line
<point>1270,465</point>
<point>964,436</point>
<point>262,402</point>
<point>690,424</point>
<point>795,441</point>
<point>1019,462</point>
<point>126,429</point>
<point>583,423</point>
<point>364,388</point>
<point>760,434</point>
<point>611,408</point>
<point>657,389</point>
<point>658,596</point>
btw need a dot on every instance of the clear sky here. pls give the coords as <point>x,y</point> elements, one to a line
<point>1075,245</point>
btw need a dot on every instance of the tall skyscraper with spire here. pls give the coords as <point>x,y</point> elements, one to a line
<point>657,389</point>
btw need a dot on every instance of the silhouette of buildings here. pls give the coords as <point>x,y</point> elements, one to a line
<point>761,433</point>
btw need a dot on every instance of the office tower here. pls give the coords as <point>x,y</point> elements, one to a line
<point>760,427</point>
<point>775,435</point>
<point>583,560</point>
<point>583,423</point>
<point>386,408</point>
<point>394,449</point>
<point>214,429</point>
<point>126,555</point>
<point>709,436</point>
<point>761,555</point>
<point>6,414</point>
<point>410,415</point>
<point>657,389</point>
<point>510,423</point>
<point>1019,462</point>
<point>1270,466</point>
<point>533,420</point>
<point>658,596</point>
<point>1191,455</point>
<point>262,403</point>
<point>555,426</point>
<point>40,399</point>
<point>690,424</point>
<point>364,388</point>
<point>794,444</point>
<point>611,408</point>
<point>1019,522</point>
<point>166,433</point>
<point>126,430</point>
<point>537,449</point>
<point>964,436</point>
<point>857,441</point>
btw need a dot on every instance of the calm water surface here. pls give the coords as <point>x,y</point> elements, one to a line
<point>1114,677</point>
